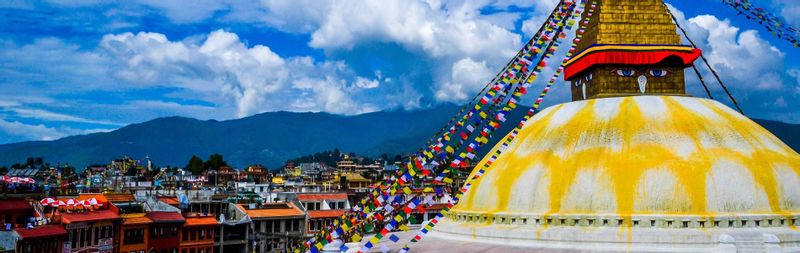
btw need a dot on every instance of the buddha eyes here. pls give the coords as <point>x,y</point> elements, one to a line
<point>626,72</point>
<point>658,72</point>
<point>633,72</point>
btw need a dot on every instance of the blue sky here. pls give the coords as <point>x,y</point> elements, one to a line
<point>80,66</point>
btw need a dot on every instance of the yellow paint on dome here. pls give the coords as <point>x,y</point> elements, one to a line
<point>647,144</point>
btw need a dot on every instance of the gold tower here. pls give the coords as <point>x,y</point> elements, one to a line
<point>629,47</point>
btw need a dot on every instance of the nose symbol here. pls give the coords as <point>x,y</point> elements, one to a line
<point>642,80</point>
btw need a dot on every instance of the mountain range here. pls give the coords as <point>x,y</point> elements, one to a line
<point>268,138</point>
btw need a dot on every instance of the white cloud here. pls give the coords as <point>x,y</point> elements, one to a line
<point>467,77</point>
<point>53,116</point>
<point>40,131</point>
<point>366,83</point>
<point>750,60</point>
<point>796,74</point>
<point>223,70</point>
<point>416,26</point>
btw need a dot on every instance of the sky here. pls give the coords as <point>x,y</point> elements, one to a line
<point>72,67</point>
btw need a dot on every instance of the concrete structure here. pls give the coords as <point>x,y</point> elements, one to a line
<point>633,164</point>
<point>676,173</point>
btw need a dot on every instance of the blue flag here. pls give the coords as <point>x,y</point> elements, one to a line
<point>394,238</point>
<point>344,248</point>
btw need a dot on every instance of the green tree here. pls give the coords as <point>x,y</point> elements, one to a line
<point>195,165</point>
<point>215,161</point>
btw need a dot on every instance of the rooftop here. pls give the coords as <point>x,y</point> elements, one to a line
<point>135,219</point>
<point>119,197</point>
<point>319,214</point>
<point>161,217</point>
<point>14,204</point>
<point>321,196</point>
<point>169,200</point>
<point>100,215</point>
<point>273,210</point>
<point>46,231</point>
<point>201,221</point>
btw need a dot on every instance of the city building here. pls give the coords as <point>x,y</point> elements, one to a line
<point>91,231</point>
<point>15,213</point>
<point>44,239</point>
<point>198,233</point>
<point>276,226</point>
<point>165,232</point>
<point>134,233</point>
<point>257,174</point>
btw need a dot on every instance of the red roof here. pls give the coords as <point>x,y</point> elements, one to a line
<point>321,196</point>
<point>319,214</point>
<point>165,217</point>
<point>170,200</point>
<point>273,210</point>
<point>119,197</point>
<point>201,221</point>
<point>14,204</point>
<point>135,219</point>
<point>100,215</point>
<point>46,231</point>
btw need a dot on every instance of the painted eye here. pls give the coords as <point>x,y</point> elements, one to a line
<point>658,72</point>
<point>625,72</point>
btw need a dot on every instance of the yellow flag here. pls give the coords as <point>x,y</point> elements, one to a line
<point>374,240</point>
<point>407,190</point>
<point>448,180</point>
<point>398,218</point>
<point>356,238</point>
<point>449,149</point>
<point>404,227</point>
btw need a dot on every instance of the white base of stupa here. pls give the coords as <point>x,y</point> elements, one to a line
<point>614,239</point>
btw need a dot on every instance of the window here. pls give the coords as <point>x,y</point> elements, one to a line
<point>74,236</point>
<point>267,226</point>
<point>96,235</point>
<point>133,236</point>
<point>83,238</point>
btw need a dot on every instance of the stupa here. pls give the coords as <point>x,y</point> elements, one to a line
<point>632,164</point>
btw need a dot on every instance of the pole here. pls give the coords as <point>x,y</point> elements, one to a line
<point>221,235</point>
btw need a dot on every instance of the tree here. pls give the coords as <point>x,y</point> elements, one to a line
<point>215,161</point>
<point>195,165</point>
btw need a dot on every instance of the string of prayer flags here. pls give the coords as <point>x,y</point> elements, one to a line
<point>773,23</point>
